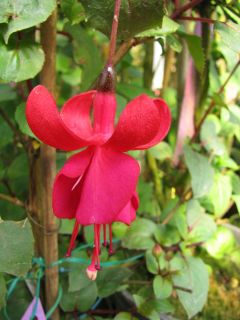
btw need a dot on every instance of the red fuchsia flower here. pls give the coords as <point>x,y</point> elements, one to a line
<point>97,186</point>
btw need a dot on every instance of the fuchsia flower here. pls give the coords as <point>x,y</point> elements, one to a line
<point>97,185</point>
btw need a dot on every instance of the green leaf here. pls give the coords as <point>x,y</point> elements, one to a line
<point>174,43</point>
<point>124,316</point>
<point>167,235</point>
<point>6,134</point>
<point>161,151</point>
<point>195,278</point>
<point>78,279</point>
<point>24,14</point>
<point>220,194</point>
<point>7,93</point>
<point>209,136</point>
<point>131,91</point>
<point>196,50</point>
<point>3,291</point>
<point>168,26</point>
<point>140,235</point>
<point>81,300</point>
<point>109,280</point>
<point>16,247</point>
<point>222,244</point>
<point>236,199</point>
<point>230,34</point>
<point>135,16</point>
<point>86,54</point>
<point>151,262</point>
<point>177,263</point>
<point>180,221</point>
<point>201,225</point>
<point>73,10</point>
<point>21,62</point>
<point>20,117</point>
<point>201,172</point>
<point>162,287</point>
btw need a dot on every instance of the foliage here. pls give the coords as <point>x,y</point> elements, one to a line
<point>187,229</point>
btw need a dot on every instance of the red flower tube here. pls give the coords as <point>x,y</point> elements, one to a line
<point>97,185</point>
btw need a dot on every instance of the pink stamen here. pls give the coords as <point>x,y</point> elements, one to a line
<point>97,244</point>
<point>104,235</point>
<point>76,183</point>
<point>73,238</point>
<point>110,250</point>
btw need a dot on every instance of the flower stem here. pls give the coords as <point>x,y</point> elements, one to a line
<point>113,38</point>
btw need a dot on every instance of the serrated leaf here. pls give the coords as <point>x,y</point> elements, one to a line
<point>23,14</point>
<point>209,136</point>
<point>220,194</point>
<point>195,278</point>
<point>16,247</point>
<point>109,280</point>
<point>162,287</point>
<point>201,172</point>
<point>196,50</point>
<point>81,300</point>
<point>230,34</point>
<point>21,62</point>
<point>135,16</point>
<point>73,10</point>
<point>140,235</point>
<point>174,43</point>
<point>168,26</point>
<point>201,225</point>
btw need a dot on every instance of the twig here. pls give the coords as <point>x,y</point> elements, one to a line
<point>9,122</point>
<point>212,103</point>
<point>12,200</point>
<point>182,289</point>
<point>113,38</point>
<point>178,12</point>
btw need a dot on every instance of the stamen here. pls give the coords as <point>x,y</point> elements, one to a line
<point>104,235</point>
<point>76,183</point>
<point>110,250</point>
<point>97,244</point>
<point>73,238</point>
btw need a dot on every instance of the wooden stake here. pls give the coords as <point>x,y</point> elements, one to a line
<point>48,169</point>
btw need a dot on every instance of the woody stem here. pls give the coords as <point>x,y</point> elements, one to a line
<point>113,38</point>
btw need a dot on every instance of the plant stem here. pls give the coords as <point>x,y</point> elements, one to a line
<point>184,8</point>
<point>48,169</point>
<point>12,200</point>
<point>113,38</point>
<point>212,103</point>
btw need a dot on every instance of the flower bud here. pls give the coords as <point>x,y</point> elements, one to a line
<point>91,273</point>
<point>157,250</point>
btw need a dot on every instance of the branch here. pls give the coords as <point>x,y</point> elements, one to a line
<point>127,45</point>
<point>212,103</point>
<point>13,200</point>
<point>178,12</point>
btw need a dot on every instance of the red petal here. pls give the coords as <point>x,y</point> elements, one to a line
<point>138,124</point>
<point>108,185</point>
<point>128,213</point>
<point>165,123</point>
<point>67,185</point>
<point>45,122</point>
<point>76,114</point>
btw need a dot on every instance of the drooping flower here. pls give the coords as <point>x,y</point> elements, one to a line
<point>97,186</point>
